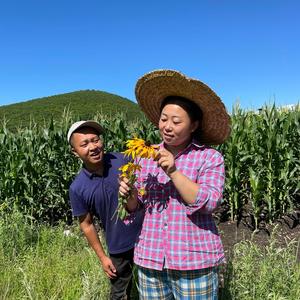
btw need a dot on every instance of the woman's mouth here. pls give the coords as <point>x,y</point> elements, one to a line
<point>168,136</point>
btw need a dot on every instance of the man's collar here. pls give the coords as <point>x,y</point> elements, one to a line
<point>88,173</point>
<point>94,174</point>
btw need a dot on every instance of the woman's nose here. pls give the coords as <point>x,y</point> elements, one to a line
<point>168,126</point>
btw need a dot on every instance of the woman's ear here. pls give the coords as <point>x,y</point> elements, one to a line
<point>195,126</point>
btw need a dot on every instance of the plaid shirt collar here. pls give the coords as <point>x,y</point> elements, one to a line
<point>193,143</point>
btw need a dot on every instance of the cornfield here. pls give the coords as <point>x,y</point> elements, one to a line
<point>262,163</point>
<point>261,159</point>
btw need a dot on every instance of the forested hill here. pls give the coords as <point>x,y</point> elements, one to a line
<point>83,104</point>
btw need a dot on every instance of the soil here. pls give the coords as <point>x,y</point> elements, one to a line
<point>232,232</point>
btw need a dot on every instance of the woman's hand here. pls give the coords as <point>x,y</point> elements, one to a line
<point>166,161</point>
<point>187,189</point>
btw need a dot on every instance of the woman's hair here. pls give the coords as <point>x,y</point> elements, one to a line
<point>192,109</point>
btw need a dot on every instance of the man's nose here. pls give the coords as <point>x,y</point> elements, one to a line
<point>92,146</point>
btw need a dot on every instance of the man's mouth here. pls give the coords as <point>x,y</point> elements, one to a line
<point>95,154</point>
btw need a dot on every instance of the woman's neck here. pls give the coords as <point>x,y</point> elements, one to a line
<point>176,149</point>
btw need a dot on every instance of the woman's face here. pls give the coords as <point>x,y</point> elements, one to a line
<point>175,126</point>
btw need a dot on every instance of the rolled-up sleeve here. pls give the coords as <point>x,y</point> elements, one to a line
<point>211,179</point>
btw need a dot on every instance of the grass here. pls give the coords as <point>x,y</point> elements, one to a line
<point>259,273</point>
<point>41,262</point>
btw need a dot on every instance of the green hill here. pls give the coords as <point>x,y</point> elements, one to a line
<point>83,104</point>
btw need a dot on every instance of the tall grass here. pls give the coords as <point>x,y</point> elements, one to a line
<point>40,262</point>
<point>270,272</point>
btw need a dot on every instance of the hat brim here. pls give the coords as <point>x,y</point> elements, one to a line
<point>92,124</point>
<point>152,88</point>
<point>88,123</point>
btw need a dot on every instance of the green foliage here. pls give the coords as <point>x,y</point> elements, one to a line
<point>40,262</point>
<point>261,160</point>
<point>271,272</point>
<point>118,129</point>
<point>83,104</point>
<point>262,163</point>
<point>36,171</point>
<point>37,167</point>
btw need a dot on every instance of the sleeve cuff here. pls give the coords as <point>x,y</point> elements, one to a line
<point>207,201</point>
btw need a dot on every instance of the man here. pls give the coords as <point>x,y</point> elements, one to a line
<point>94,192</point>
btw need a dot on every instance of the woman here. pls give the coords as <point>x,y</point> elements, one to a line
<point>179,249</point>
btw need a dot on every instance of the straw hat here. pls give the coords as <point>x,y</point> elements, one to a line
<point>152,88</point>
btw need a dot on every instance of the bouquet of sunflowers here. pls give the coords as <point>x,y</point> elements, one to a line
<point>136,149</point>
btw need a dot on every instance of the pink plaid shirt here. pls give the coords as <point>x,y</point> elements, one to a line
<point>176,235</point>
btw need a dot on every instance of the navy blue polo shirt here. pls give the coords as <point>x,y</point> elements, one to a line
<point>99,196</point>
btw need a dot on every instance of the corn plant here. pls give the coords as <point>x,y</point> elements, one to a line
<point>261,161</point>
<point>263,147</point>
<point>236,158</point>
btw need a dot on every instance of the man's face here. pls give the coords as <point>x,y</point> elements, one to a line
<point>87,145</point>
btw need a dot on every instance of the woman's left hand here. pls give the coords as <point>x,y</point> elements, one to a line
<point>166,161</point>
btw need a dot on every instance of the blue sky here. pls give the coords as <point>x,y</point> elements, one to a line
<point>245,50</point>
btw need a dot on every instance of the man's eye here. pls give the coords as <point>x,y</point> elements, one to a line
<point>83,145</point>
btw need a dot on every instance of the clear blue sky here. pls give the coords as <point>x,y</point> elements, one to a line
<point>245,50</point>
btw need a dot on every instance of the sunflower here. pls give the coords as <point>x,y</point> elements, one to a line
<point>136,148</point>
<point>129,169</point>
<point>142,192</point>
<point>139,148</point>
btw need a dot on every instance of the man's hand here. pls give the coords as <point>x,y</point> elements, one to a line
<point>128,191</point>
<point>108,267</point>
<point>124,186</point>
<point>89,230</point>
